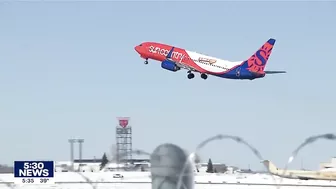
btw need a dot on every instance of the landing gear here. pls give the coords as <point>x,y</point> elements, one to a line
<point>204,76</point>
<point>146,61</point>
<point>190,75</point>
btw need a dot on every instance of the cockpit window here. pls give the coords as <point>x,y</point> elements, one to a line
<point>140,45</point>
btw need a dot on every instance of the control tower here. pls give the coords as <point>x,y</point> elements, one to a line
<point>123,139</point>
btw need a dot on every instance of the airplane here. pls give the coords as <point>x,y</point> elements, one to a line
<point>174,59</point>
<point>300,174</point>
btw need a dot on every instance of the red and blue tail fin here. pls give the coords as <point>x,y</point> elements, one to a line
<point>257,62</point>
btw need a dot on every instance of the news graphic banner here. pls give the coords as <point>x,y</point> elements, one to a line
<point>34,172</point>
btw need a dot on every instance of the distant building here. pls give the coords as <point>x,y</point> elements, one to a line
<point>328,165</point>
<point>6,169</point>
<point>93,165</point>
<point>219,167</point>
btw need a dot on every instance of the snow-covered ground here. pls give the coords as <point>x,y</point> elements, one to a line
<point>142,180</point>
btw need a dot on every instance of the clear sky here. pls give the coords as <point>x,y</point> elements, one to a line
<point>68,69</point>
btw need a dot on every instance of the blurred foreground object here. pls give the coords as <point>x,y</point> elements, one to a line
<point>168,162</point>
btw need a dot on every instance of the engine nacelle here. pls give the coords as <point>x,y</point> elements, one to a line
<point>169,65</point>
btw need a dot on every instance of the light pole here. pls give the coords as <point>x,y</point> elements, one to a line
<point>72,141</point>
<point>80,144</point>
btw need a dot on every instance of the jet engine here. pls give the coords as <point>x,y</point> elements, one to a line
<point>169,65</point>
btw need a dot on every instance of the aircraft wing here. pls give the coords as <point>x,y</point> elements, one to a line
<point>187,67</point>
<point>180,63</point>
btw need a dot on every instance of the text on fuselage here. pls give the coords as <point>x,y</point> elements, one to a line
<point>200,60</point>
<point>164,52</point>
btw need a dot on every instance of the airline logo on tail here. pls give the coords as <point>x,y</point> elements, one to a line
<point>257,62</point>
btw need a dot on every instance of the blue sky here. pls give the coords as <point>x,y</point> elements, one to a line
<point>68,69</point>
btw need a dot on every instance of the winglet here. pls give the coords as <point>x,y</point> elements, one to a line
<point>169,55</point>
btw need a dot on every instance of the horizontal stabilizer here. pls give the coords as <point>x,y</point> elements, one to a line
<point>274,72</point>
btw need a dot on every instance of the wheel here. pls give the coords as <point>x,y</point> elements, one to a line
<point>191,75</point>
<point>204,76</point>
<point>146,62</point>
